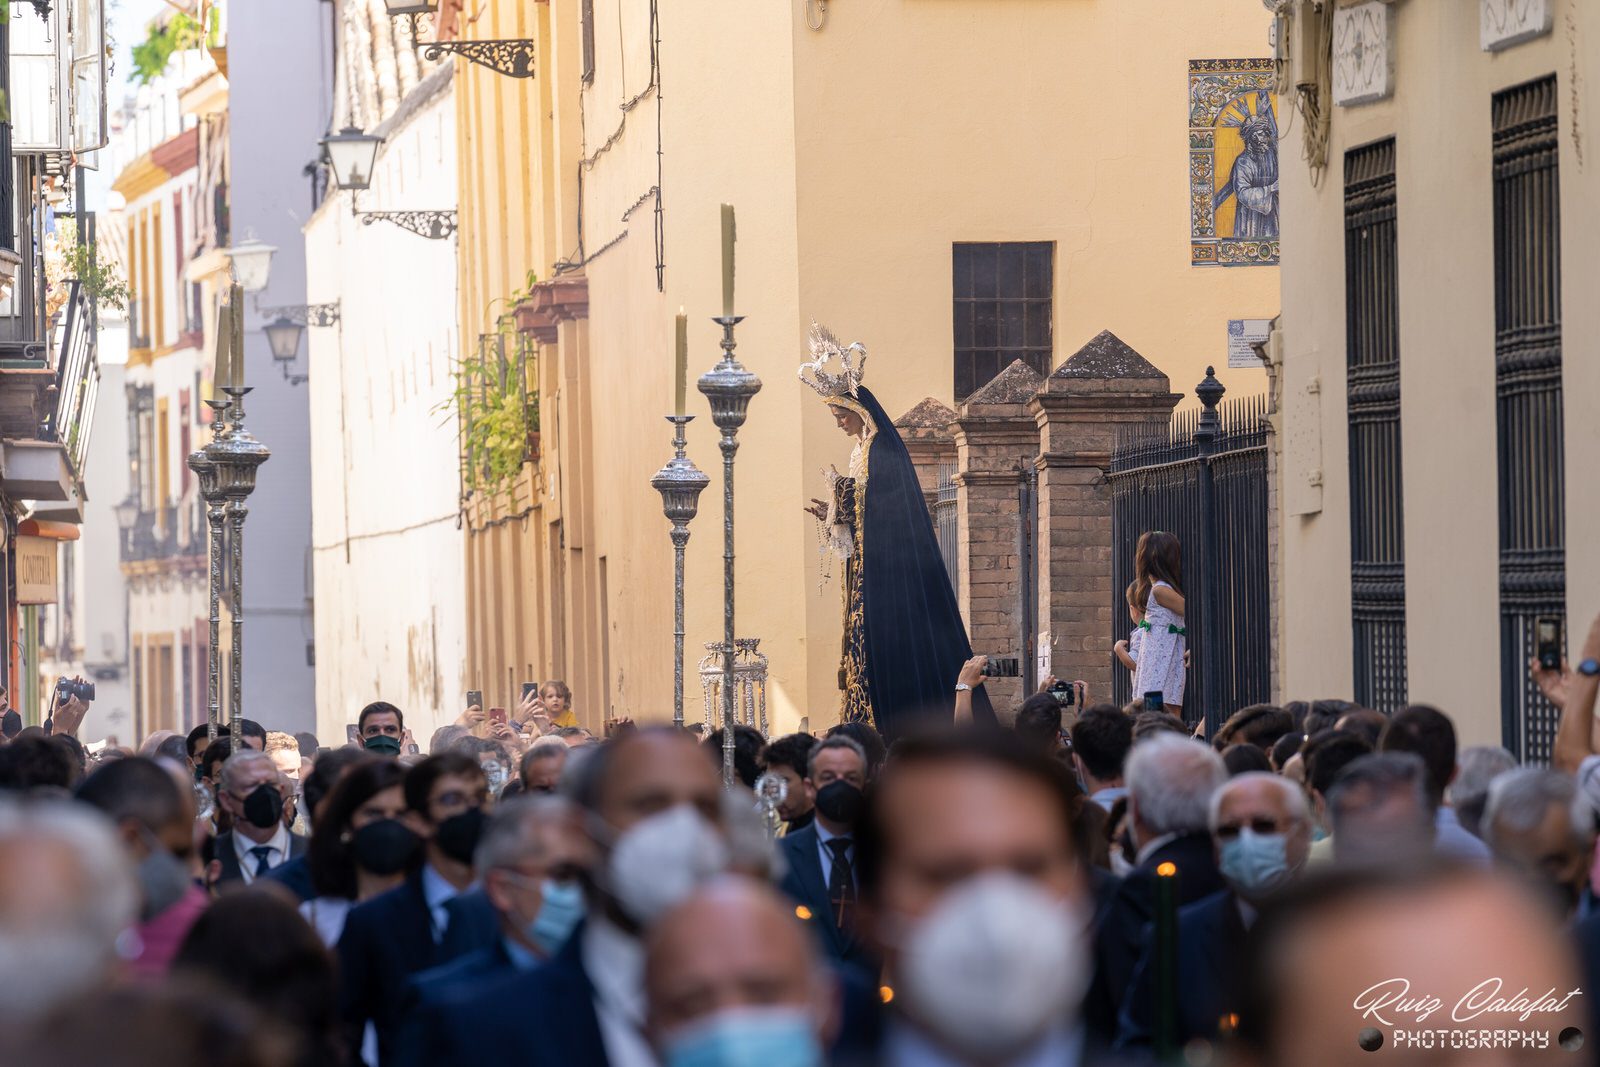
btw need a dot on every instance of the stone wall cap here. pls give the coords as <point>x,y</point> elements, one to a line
<point>1108,356</point>
<point>928,414</point>
<point>1015,385</point>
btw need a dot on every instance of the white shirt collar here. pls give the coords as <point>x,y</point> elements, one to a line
<point>1151,846</point>
<point>436,888</point>
<point>242,846</point>
<point>615,962</point>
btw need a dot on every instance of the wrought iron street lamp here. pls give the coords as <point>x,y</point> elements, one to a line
<point>283,338</point>
<point>680,483</point>
<point>127,510</point>
<point>351,154</point>
<point>252,263</point>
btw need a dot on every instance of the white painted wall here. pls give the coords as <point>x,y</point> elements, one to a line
<point>387,556</point>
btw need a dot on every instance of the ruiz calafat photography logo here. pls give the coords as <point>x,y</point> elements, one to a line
<point>1486,1016</point>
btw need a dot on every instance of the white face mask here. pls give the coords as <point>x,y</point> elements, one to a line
<point>995,965</point>
<point>660,860</point>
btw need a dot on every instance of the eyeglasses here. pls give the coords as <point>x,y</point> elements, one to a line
<point>1230,831</point>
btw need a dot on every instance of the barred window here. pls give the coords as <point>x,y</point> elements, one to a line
<point>1372,354</point>
<point>1528,400</point>
<point>1002,297</point>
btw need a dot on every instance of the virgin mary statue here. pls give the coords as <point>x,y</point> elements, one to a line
<point>904,642</point>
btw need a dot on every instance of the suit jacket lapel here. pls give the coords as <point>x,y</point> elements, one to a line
<point>805,855</point>
<point>228,856</point>
<point>582,1018</point>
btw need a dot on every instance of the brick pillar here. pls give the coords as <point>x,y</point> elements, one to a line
<point>996,438</point>
<point>1104,387</point>
<point>926,430</point>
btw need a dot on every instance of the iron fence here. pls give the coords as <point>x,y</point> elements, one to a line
<point>1202,477</point>
<point>946,526</point>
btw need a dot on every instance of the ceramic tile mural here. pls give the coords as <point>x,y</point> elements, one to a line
<point>1233,163</point>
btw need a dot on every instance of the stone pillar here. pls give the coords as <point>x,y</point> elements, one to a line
<point>1104,387</point>
<point>996,440</point>
<point>927,432</point>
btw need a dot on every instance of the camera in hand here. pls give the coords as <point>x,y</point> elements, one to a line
<point>1062,691</point>
<point>1002,667</point>
<point>66,687</point>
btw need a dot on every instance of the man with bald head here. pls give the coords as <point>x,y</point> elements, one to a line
<point>732,979</point>
<point>1261,830</point>
<point>652,803</point>
<point>1418,965</point>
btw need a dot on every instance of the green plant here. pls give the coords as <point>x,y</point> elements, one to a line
<point>99,279</point>
<point>151,56</point>
<point>497,414</point>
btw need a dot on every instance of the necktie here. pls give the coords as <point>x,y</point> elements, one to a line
<point>261,852</point>
<point>841,883</point>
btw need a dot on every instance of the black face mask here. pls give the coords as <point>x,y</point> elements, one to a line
<point>382,744</point>
<point>384,847</point>
<point>457,837</point>
<point>263,808</point>
<point>839,801</point>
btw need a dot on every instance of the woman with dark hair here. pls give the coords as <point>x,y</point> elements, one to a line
<point>359,846</point>
<point>253,944</point>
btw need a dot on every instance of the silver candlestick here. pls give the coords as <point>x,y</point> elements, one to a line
<point>729,387</point>
<point>680,483</point>
<point>235,455</point>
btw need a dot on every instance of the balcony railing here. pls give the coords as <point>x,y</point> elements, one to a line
<point>77,369</point>
<point>156,534</point>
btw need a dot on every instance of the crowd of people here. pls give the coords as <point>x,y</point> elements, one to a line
<point>1091,884</point>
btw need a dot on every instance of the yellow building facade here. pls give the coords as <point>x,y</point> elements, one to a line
<point>867,149</point>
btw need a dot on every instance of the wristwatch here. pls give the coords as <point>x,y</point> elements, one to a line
<point>963,687</point>
<point>1590,667</point>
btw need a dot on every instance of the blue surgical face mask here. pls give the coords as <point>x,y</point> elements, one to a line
<point>560,911</point>
<point>745,1037</point>
<point>1255,864</point>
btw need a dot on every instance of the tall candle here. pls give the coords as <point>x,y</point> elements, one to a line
<point>681,357</point>
<point>727,259</point>
<point>223,363</point>
<point>236,375</point>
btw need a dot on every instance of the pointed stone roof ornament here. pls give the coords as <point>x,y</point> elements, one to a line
<point>1014,385</point>
<point>1108,356</point>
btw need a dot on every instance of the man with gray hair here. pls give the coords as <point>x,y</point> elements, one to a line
<point>532,859</point>
<point>1479,766</point>
<point>1380,811</point>
<point>1261,827</point>
<point>821,857</point>
<point>248,789</point>
<point>1537,823</point>
<point>67,898</point>
<point>1171,780</point>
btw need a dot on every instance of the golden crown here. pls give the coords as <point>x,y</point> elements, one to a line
<point>835,370</point>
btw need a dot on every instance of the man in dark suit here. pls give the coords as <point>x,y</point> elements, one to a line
<point>653,803</point>
<point>1170,783</point>
<point>402,932</point>
<point>249,790</point>
<point>1261,828</point>
<point>531,859</point>
<point>820,858</point>
<point>974,892</point>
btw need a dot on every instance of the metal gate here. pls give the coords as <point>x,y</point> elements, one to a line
<point>1204,478</point>
<point>945,525</point>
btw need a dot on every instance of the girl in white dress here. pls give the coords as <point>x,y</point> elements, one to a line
<point>1158,569</point>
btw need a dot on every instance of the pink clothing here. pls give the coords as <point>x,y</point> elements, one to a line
<point>162,936</point>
